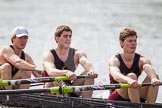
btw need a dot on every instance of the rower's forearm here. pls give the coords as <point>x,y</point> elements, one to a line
<point>121,78</point>
<point>150,71</point>
<point>56,72</point>
<point>118,76</point>
<point>151,74</point>
<point>23,65</point>
<point>88,66</point>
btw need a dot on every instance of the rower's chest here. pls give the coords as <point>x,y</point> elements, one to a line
<point>128,64</point>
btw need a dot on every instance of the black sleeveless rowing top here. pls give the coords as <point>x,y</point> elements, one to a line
<point>68,64</point>
<point>125,70</point>
<point>14,69</point>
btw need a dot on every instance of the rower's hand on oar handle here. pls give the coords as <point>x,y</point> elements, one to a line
<point>39,72</point>
<point>133,83</point>
<point>71,75</point>
<point>155,81</point>
<point>92,74</point>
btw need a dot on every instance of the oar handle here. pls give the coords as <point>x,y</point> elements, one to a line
<point>149,84</point>
<point>83,76</point>
<point>140,85</point>
<point>63,78</point>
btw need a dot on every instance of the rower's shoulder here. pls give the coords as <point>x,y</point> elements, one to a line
<point>48,53</point>
<point>48,56</point>
<point>79,52</point>
<point>145,60</point>
<point>113,61</point>
<point>6,49</point>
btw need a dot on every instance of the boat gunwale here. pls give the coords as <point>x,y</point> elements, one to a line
<point>43,100</point>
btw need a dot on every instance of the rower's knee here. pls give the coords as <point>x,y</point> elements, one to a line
<point>132,75</point>
<point>89,81</point>
<point>6,69</point>
<point>49,84</point>
<point>25,74</point>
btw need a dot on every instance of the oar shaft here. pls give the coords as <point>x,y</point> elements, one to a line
<point>4,83</point>
<point>71,89</point>
<point>21,91</point>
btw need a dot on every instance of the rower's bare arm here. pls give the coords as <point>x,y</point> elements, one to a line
<point>87,65</point>
<point>50,68</point>
<point>148,68</point>
<point>37,72</point>
<point>82,58</point>
<point>113,65</point>
<point>15,60</point>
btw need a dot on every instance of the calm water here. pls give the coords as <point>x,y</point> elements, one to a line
<point>96,25</point>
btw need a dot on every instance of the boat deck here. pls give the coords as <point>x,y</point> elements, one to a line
<point>52,101</point>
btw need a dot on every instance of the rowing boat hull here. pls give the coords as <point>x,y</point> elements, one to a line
<point>52,101</point>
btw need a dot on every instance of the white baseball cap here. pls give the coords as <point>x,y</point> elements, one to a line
<point>20,31</point>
